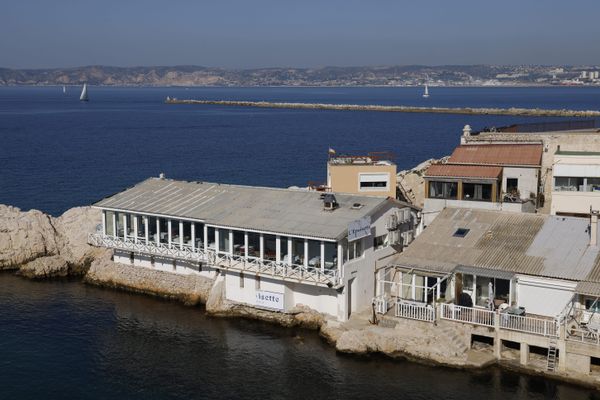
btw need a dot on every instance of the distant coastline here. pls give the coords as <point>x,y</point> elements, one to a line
<point>364,76</point>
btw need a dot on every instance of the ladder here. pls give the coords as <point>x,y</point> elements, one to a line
<point>551,362</point>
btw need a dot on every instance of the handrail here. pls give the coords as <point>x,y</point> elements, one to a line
<point>537,326</point>
<point>417,311</point>
<point>236,262</point>
<point>470,315</point>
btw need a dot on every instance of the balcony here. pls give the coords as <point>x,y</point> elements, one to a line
<point>267,268</point>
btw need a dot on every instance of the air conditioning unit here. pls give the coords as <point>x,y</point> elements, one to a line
<point>392,222</point>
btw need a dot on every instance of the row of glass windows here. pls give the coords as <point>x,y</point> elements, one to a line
<point>158,232</point>
<point>576,184</point>
<point>471,191</point>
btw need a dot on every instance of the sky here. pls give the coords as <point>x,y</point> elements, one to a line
<point>306,33</point>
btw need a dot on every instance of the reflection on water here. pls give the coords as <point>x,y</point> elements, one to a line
<point>63,339</point>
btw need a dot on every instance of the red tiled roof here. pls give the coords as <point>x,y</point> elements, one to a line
<point>464,171</point>
<point>498,154</point>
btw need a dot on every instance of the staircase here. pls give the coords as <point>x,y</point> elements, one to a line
<point>551,362</point>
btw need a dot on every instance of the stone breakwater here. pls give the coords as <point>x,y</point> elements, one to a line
<point>529,112</point>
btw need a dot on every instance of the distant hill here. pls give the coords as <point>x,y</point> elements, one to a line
<point>325,76</point>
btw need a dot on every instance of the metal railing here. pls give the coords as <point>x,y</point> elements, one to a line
<point>417,311</point>
<point>234,262</point>
<point>381,304</point>
<point>537,326</point>
<point>469,315</point>
<point>152,248</point>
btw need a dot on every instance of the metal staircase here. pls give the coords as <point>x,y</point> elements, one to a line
<point>551,362</point>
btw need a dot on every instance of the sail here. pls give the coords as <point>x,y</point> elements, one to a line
<point>84,93</point>
<point>64,89</point>
<point>426,93</point>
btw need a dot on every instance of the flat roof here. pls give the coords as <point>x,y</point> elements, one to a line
<point>463,171</point>
<point>296,212</point>
<point>519,243</point>
<point>577,153</point>
<point>498,154</point>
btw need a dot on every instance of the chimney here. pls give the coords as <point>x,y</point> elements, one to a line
<point>593,227</point>
<point>467,130</point>
<point>161,175</point>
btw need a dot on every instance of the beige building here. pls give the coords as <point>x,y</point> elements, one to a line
<point>576,183</point>
<point>371,175</point>
<point>572,136</point>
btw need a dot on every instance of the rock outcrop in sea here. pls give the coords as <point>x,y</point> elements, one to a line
<point>38,245</point>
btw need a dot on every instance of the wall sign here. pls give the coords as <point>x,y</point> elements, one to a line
<point>270,300</point>
<point>359,229</point>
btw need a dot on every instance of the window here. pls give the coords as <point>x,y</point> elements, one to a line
<point>477,191</point>
<point>374,181</point>
<point>461,232</point>
<point>355,249</point>
<point>592,305</point>
<point>568,184</point>
<point>512,185</point>
<point>442,190</point>
<point>380,242</point>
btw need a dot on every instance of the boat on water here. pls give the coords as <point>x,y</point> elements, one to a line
<point>426,93</point>
<point>84,93</point>
<point>64,89</point>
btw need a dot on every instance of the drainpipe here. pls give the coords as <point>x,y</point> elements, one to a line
<point>593,227</point>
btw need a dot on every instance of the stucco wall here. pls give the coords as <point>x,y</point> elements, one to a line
<point>344,178</point>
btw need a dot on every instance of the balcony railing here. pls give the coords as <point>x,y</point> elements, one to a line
<point>537,326</point>
<point>240,263</point>
<point>412,310</point>
<point>470,315</point>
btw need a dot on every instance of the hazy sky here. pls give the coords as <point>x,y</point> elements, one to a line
<point>256,33</point>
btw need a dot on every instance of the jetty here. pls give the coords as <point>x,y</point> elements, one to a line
<point>528,112</point>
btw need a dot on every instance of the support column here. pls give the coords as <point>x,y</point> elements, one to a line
<point>193,235</point>
<point>438,288</point>
<point>146,229</point>
<point>169,230</point>
<point>157,230</point>
<point>205,237</point>
<point>216,241</point>
<point>245,245</point>
<point>230,242</point>
<point>262,247</point>
<point>340,259</point>
<point>278,248</point>
<point>413,288</point>
<point>181,234</point>
<point>524,359</point>
<point>114,218</point>
<point>497,340</point>
<point>322,256</point>
<point>103,222</point>
<point>135,228</point>
<point>290,253</point>
<point>125,218</point>
<point>306,252</point>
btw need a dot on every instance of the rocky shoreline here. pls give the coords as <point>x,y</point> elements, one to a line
<point>38,246</point>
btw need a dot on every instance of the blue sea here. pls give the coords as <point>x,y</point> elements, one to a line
<point>66,340</point>
<point>58,152</point>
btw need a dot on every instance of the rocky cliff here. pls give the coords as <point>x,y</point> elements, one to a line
<point>39,245</point>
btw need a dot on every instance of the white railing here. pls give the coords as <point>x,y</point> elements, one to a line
<point>537,326</point>
<point>234,262</point>
<point>381,304</point>
<point>412,310</point>
<point>152,248</point>
<point>469,315</point>
<point>583,335</point>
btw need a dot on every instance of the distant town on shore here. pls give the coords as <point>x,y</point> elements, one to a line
<point>408,75</point>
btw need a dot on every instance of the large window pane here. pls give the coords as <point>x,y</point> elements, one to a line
<point>442,190</point>
<point>477,191</point>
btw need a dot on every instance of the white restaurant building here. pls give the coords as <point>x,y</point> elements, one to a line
<point>273,248</point>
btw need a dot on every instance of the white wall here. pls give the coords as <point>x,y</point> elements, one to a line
<point>543,296</point>
<point>165,264</point>
<point>318,298</point>
<point>528,180</point>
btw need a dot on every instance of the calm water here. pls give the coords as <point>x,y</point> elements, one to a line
<point>57,152</point>
<point>67,340</point>
<point>62,340</point>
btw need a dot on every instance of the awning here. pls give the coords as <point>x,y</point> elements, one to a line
<point>588,288</point>
<point>488,273</point>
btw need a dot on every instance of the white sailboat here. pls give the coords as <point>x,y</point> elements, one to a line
<point>84,93</point>
<point>64,89</point>
<point>426,93</point>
